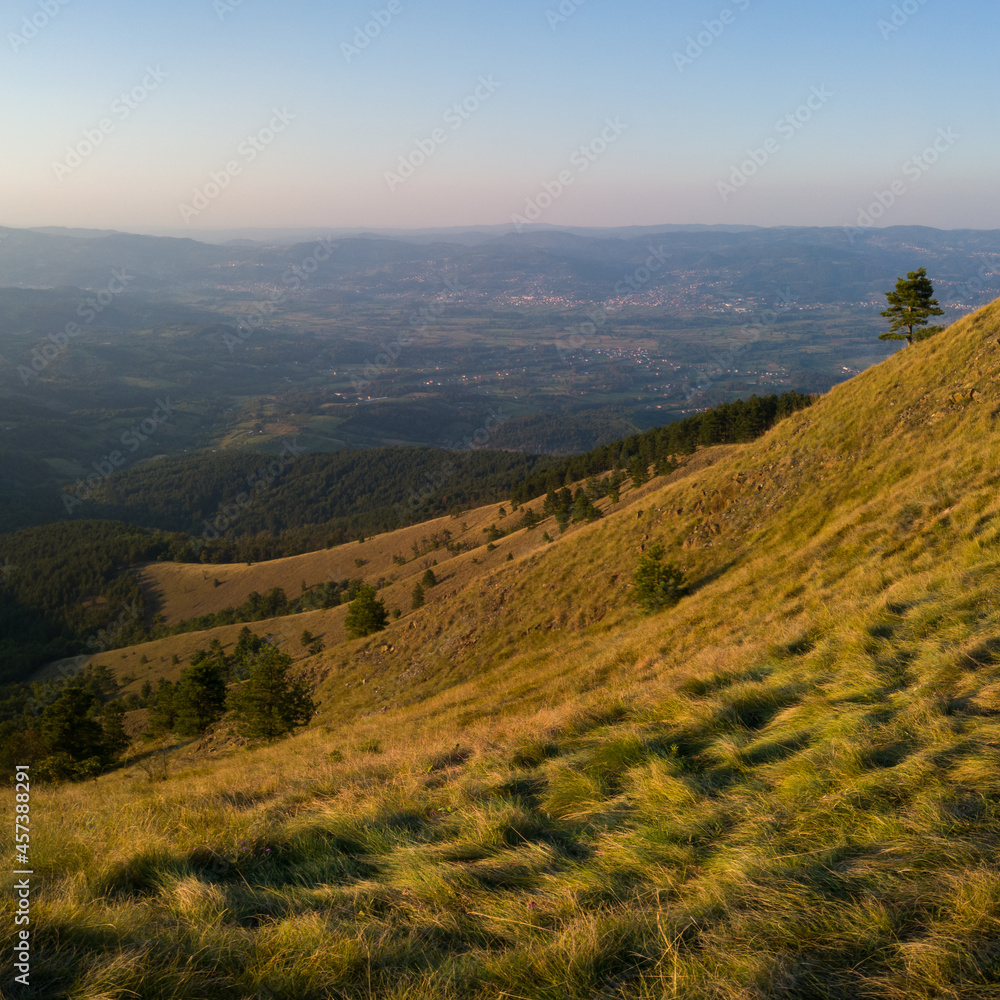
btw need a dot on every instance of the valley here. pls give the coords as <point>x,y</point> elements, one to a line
<point>786,782</point>
<point>547,343</point>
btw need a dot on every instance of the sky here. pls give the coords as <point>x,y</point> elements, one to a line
<point>219,114</point>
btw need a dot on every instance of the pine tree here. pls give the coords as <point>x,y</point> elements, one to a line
<point>910,307</point>
<point>418,597</point>
<point>199,698</point>
<point>69,727</point>
<point>429,579</point>
<point>247,646</point>
<point>366,614</point>
<point>638,471</point>
<point>562,518</point>
<point>657,586</point>
<point>163,713</point>
<point>113,727</point>
<point>269,704</point>
<point>663,465</point>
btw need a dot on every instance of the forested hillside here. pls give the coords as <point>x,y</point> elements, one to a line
<point>65,584</point>
<point>239,494</point>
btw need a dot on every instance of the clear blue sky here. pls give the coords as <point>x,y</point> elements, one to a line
<point>224,67</point>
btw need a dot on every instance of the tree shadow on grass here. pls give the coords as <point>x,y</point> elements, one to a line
<point>709,578</point>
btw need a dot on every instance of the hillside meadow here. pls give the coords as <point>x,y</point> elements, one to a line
<point>786,785</point>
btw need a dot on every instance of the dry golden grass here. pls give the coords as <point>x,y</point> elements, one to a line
<point>787,785</point>
<point>187,590</point>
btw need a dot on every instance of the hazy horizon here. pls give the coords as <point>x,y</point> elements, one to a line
<point>225,114</point>
<point>466,235</point>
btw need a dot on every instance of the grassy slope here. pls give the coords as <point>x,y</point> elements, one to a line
<point>787,785</point>
<point>186,590</point>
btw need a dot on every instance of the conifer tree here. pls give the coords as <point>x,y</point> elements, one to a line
<point>69,727</point>
<point>911,305</point>
<point>656,585</point>
<point>638,471</point>
<point>163,713</point>
<point>113,727</point>
<point>562,518</point>
<point>269,704</point>
<point>199,698</point>
<point>366,614</point>
<point>247,646</point>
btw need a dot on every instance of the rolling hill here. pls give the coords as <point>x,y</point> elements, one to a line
<point>786,785</point>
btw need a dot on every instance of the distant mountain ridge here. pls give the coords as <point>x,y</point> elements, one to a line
<point>819,265</point>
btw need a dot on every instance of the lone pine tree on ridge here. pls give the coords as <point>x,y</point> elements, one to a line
<point>911,304</point>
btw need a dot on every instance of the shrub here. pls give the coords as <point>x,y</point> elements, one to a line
<point>657,585</point>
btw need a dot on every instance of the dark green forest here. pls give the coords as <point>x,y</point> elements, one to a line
<point>69,588</point>
<point>729,423</point>
<point>239,494</point>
